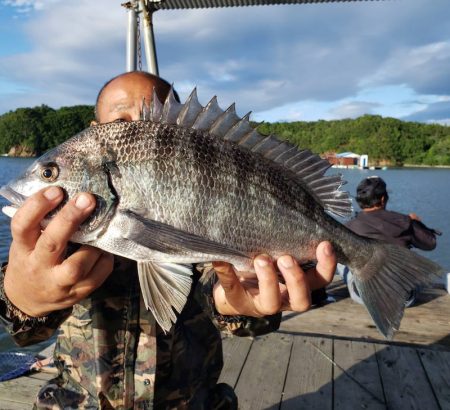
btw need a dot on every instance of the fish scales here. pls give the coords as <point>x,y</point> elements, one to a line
<point>170,193</point>
<point>188,178</point>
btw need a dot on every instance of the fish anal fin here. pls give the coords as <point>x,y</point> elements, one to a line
<point>165,288</point>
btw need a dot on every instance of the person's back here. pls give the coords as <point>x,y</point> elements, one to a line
<point>393,227</point>
<point>375,222</point>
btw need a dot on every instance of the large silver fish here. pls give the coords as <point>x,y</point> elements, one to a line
<point>192,184</point>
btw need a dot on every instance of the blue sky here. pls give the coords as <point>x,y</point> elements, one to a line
<point>284,63</point>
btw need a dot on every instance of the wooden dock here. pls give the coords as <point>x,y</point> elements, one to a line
<point>330,358</point>
<point>285,371</point>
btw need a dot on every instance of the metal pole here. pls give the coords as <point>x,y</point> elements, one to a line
<point>131,36</point>
<point>149,38</point>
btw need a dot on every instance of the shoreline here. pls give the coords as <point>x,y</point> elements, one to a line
<point>385,167</point>
<point>370,168</point>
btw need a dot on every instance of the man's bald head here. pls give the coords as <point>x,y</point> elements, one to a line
<point>121,97</point>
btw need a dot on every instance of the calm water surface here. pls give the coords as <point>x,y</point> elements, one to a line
<point>424,191</point>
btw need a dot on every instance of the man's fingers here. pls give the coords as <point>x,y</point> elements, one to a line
<point>53,241</point>
<point>296,283</point>
<point>26,223</point>
<point>94,278</point>
<point>78,265</point>
<point>269,288</point>
<point>325,268</point>
<point>233,294</point>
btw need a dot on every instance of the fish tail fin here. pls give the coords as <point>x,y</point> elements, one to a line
<point>386,280</point>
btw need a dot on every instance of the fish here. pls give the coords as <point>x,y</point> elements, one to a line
<point>191,184</point>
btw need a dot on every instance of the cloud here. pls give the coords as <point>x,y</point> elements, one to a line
<point>435,112</point>
<point>425,68</point>
<point>68,60</point>
<point>29,5</point>
<point>353,109</point>
<point>262,58</point>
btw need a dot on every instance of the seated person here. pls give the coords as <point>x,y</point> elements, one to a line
<point>378,223</point>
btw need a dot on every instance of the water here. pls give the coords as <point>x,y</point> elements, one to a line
<point>424,191</point>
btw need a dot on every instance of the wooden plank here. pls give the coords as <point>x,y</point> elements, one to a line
<point>309,376</point>
<point>44,374</point>
<point>19,392</point>
<point>261,382</point>
<point>404,380</point>
<point>437,367</point>
<point>425,324</point>
<point>11,405</point>
<point>235,351</point>
<point>357,382</point>
<point>48,351</point>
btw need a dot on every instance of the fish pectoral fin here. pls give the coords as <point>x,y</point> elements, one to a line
<point>170,240</point>
<point>165,287</point>
<point>9,210</point>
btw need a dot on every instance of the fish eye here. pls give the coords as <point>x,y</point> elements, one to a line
<point>49,172</point>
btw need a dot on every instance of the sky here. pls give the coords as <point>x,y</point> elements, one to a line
<point>283,63</point>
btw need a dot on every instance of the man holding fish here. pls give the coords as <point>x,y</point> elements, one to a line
<point>111,353</point>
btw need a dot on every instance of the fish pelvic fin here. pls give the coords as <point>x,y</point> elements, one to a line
<point>165,288</point>
<point>387,279</point>
<point>307,168</point>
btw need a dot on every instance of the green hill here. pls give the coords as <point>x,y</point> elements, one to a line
<point>385,140</point>
<point>35,130</point>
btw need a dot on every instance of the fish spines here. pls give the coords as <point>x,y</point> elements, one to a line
<point>250,139</point>
<point>238,130</point>
<point>308,168</point>
<point>207,117</point>
<point>190,110</point>
<point>171,108</point>
<point>156,107</point>
<point>145,111</point>
<point>225,121</point>
<point>266,145</point>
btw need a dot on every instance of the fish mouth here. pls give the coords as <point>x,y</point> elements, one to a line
<point>12,196</point>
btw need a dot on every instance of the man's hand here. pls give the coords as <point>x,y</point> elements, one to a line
<point>265,295</point>
<point>38,279</point>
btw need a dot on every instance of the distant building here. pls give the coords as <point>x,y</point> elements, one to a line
<point>347,160</point>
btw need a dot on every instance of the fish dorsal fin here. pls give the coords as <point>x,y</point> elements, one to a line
<point>156,108</point>
<point>171,109</point>
<point>239,130</point>
<point>191,109</point>
<point>145,111</point>
<point>208,116</point>
<point>309,168</point>
<point>225,121</point>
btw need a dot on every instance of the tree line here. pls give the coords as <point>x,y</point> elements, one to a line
<point>385,140</point>
<point>38,129</point>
